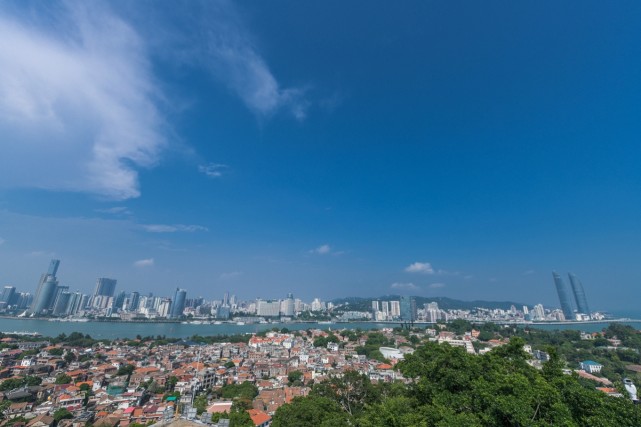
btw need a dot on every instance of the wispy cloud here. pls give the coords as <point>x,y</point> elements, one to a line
<point>437,285</point>
<point>233,58</point>
<point>231,275</point>
<point>46,254</point>
<point>321,250</point>
<point>404,286</point>
<point>173,228</point>
<point>82,99</point>
<point>213,170</point>
<point>2,240</point>
<point>528,272</point>
<point>142,263</point>
<point>116,210</point>
<point>420,267</point>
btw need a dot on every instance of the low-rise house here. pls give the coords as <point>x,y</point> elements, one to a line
<point>591,366</point>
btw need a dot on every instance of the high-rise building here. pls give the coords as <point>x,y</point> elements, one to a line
<point>62,303</point>
<point>226,298</point>
<point>73,306</point>
<point>385,308</point>
<point>178,304</point>
<point>408,308</point>
<point>375,306</point>
<point>395,308</point>
<point>8,295</point>
<point>564,297</point>
<point>45,298</point>
<point>105,287</point>
<point>24,300</point>
<point>45,293</point>
<point>163,308</point>
<point>118,302</point>
<point>268,308</point>
<point>134,300</point>
<point>538,312</point>
<point>579,294</point>
<point>59,290</point>
<point>287,306</point>
<point>48,278</point>
<point>53,267</point>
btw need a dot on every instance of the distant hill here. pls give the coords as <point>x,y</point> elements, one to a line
<point>365,304</point>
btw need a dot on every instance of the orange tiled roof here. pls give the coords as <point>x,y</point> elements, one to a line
<point>258,417</point>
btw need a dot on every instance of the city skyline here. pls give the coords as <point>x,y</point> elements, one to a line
<point>53,298</point>
<point>419,150</point>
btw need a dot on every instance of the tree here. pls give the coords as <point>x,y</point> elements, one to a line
<point>11,383</point>
<point>200,403</point>
<point>63,379</point>
<point>126,370</point>
<point>4,405</point>
<point>62,414</point>
<point>171,383</point>
<point>56,352</point>
<point>31,380</point>
<point>313,411</point>
<point>352,391</point>
<point>239,417</point>
<point>294,378</point>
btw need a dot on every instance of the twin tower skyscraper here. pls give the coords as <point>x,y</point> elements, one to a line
<point>565,299</point>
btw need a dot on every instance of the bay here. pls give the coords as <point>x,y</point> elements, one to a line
<point>113,330</point>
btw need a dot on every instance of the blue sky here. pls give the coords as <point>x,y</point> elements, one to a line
<point>326,149</point>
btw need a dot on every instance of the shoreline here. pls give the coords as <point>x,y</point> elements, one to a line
<point>320,322</point>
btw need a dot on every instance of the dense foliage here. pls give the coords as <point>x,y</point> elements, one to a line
<point>449,387</point>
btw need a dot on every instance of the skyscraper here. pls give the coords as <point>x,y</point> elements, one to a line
<point>105,287</point>
<point>46,289</point>
<point>287,306</point>
<point>408,309</point>
<point>45,297</point>
<point>62,303</point>
<point>564,297</point>
<point>178,304</point>
<point>579,294</point>
<point>134,300</point>
<point>8,295</point>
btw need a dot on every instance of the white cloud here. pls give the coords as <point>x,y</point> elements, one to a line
<point>141,263</point>
<point>2,240</point>
<point>77,106</point>
<point>213,170</point>
<point>437,285</point>
<point>322,250</point>
<point>116,210</point>
<point>231,275</point>
<point>233,58</point>
<point>420,267</point>
<point>173,228</point>
<point>528,272</point>
<point>404,286</point>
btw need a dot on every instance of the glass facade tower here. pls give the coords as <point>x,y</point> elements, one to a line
<point>105,287</point>
<point>408,309</point>
<point>46,290</point>
<point>564,297</point>
<point>579,294</point>
<point>178,304</point>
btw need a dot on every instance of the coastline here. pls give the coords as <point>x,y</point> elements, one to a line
<point>197,322</point>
